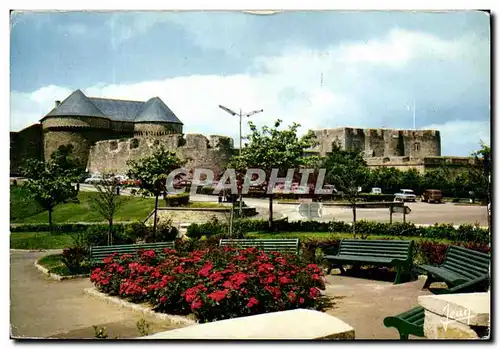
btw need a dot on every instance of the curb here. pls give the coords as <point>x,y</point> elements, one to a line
<point>57,276</point>
<point>146,309</point>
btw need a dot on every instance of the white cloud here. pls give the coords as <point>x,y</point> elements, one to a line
<point>338,86</point>
<point>73,28</point>
<point>462,134</point>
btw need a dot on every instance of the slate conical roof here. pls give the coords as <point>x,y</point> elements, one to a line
<point>76,104</point>
<point>156,111</point>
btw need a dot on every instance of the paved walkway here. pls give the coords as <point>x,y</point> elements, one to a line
<point>364,303</point>
<point>42,307</point>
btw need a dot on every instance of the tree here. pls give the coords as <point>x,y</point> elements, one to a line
<point>67,164</point>
<point>412,179</point>
<point>107,201</point>
<point>438,178</point>
<point>48,185</point>
<point>389,179</point>
<point>347,170</point>
<point>270,147</point>
<point>481,177</point>
<point>152,172</point>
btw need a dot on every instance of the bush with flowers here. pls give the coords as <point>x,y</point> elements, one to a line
<point>213,283</point>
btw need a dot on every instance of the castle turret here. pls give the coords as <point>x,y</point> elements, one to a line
<point>156,119</point>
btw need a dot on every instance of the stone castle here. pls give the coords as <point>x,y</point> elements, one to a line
<point>106,133</point>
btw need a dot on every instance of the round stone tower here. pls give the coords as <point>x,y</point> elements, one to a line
<point>156,119</point>
<point>75,121</point>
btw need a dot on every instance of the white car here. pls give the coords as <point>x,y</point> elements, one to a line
<point>405,195</point>
<point>94,179</point>
<point>376,190</point>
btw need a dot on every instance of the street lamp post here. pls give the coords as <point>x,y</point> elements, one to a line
<point>241,115</point>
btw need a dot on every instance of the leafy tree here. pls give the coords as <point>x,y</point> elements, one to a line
<point>48,185</point>
<point>389,179</point>
<point>347,170</point>
<point>270,147</point>
<point>107,201</point>
<point>481,176</point>
<point>437,178</point>
<point>67,164</point>
<point>461,184</point>
<point>152,172</point>
<point>412,179</point>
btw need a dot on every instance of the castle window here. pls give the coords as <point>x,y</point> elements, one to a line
<point>134,143</point>
<point>416,146</point>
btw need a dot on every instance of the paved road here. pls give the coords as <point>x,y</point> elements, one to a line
<point>42,307</point>
<point>421,213</point>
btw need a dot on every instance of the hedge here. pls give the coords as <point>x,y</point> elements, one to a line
<point>465,233</point>
<point>63,228</point>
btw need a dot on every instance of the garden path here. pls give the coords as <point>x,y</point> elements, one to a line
<point>41,307</point>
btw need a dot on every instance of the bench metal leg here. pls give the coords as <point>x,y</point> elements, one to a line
<point>403,336</point>
<point>398,275</point>
<point>342,270</point>
<point>428,282</point>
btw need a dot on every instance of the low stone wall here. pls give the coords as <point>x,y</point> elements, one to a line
<point>180,215</point>
<point>291,324</point>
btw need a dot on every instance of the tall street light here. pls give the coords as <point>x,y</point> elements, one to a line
<point>241,115</point>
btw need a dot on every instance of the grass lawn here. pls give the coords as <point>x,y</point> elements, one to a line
<point>40,240</point>
<point>55,265</point>
<point>328,235</point>
<point>135,208</point>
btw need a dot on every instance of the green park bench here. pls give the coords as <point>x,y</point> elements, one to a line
<point>392,253</point>
<point>98,253</point>
<point>267,245</point>
<point>463,270</point>
<point>460,265</point>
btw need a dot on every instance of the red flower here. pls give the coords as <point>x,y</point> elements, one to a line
<point>313,292</point>
<point>163,299</point>
<point>149,254</point>
<point>285,280</point>
<point>218,295</point>
<point>252,301</point>
<point>205,270</point>
<point>265,268</point>
<point>198,303</point>
<point>301,300</point>
<point>315,277</point>
<point>292,297</point>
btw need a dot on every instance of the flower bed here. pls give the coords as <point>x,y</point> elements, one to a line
<point>213,284</point>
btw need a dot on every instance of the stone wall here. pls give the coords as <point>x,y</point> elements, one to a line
<point>454,164</point>
<point>25,144</point>
<point>381,142</point>
<point>199,151</point>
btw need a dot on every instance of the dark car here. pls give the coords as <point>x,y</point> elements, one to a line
<point>432,195</point>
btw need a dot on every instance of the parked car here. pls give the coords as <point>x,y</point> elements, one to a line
<point>432,195</point>
<point>405,195</point>
<point>95,178</point>
<point>376,190</point>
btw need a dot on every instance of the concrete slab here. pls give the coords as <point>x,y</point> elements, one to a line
<point>472,309</point>
<point>290,324</point>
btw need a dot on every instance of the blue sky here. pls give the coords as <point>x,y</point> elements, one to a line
<point>321,69</point>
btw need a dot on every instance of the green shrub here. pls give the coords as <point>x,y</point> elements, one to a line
<point>74,258</point>
<point>165,231</point>
<point>58,228</point>
<point>97,235</point>
<point>181,199</point>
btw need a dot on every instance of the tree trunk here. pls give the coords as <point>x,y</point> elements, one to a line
<point>270,223</point>
<point>354,219</point>
<point>50,220</point>
<point>156,214</point>
<point>110,233</point>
